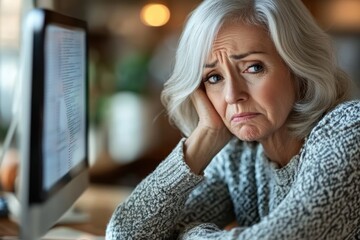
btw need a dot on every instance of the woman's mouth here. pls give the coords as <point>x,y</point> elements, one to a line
<point>243,117</point>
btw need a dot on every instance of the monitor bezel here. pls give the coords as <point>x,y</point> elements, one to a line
<point>37,193</point>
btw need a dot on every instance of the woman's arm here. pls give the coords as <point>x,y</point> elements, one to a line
<point>209,137</point>
<point>156,208</point>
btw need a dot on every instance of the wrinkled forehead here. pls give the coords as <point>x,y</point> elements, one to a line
<point>239,37</point>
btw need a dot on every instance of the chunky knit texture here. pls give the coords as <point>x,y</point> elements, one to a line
<point>315,196</point>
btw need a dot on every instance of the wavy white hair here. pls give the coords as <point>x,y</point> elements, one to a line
<point>300,42</point>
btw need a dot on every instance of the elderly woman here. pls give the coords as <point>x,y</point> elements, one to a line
<point>271,142</point>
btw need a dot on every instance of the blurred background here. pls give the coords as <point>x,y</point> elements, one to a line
<point>131,49</point>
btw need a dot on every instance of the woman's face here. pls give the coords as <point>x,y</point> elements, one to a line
<point>248,83</point>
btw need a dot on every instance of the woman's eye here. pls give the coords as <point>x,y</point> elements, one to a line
<point>213,79</point>
<point>256,68</point>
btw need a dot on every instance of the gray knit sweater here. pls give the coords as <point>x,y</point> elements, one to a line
<point>315,196</point>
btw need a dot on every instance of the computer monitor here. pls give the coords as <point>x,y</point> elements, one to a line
<point>53,119</point>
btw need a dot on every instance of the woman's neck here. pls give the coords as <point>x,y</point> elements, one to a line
<point>280,148</point>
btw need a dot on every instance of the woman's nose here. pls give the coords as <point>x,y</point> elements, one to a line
<point>235,89</point>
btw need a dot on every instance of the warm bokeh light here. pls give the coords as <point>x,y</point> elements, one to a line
<point>155,14</point>
<point>343,14</point>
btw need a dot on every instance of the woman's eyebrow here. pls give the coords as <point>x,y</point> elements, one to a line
<point>235,56</point>
<point>241,56</point>
<point>211,65</point>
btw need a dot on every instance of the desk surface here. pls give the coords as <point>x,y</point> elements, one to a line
<point>98,201</point>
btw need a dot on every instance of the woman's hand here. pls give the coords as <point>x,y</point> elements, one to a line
<point>209,119</point>
<point>209,137</point>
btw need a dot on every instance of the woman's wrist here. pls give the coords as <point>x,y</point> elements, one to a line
<point>202,145</point>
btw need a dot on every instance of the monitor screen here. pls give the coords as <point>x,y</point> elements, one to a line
<point>53,119</point>
<point>63,145</point>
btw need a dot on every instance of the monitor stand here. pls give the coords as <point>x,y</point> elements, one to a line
<point>72,216</point>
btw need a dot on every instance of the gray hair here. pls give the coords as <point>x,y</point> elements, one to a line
<point>300,42</point>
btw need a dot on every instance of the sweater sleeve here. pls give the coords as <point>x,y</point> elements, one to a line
<point>160,206</point>
<point>324,201</point>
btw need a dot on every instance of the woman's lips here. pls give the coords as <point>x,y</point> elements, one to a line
<point>243,117</point>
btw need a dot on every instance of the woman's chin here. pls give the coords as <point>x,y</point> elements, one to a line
<point>248,134</point>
